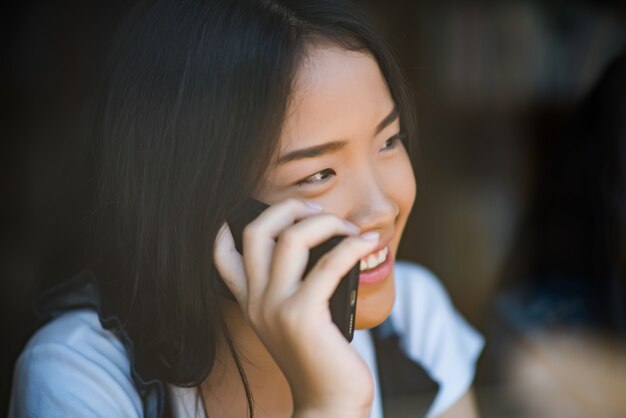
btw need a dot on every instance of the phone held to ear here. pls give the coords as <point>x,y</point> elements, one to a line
<point>342,303</point>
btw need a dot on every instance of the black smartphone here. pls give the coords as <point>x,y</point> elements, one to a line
<point>342,303</point>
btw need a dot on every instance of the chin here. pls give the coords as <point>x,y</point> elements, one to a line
<point>374,304</point>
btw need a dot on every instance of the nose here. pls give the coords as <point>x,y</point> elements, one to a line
<point>374,209</point>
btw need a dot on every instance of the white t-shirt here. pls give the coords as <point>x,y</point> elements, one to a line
<point>74,367</point>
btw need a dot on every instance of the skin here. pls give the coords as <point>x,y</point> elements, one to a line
<point>296,360</point>
<point>342,96</point>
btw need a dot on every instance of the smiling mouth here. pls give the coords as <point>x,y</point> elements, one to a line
<point>374,260</point>
<point>376,267</point>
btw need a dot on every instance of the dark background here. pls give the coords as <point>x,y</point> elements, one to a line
<point>499,87</point>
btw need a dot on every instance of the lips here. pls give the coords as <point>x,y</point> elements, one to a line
<point>380,272</point>
<point>377,274</point>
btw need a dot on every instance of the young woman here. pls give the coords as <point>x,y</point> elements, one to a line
<point>298,104</point>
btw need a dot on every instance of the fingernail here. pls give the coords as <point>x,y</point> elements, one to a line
<point>313,205</point>
<point>352,227</point>
<point>370,236</point>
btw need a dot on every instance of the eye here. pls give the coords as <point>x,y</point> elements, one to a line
<point>317,178</point>
<point>393,142</point>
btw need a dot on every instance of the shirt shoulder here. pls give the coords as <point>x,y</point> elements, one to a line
<point>420,297</point>
<point>433,333</point>
<point>72,366</point>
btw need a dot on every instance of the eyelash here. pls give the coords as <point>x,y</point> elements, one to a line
<point>327,172</point>
<point>401,137</point>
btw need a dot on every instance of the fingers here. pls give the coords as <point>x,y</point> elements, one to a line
<point>291,253</point>
<point>259,239</point>
<point>324,277</point>
<point>229,263</point>
<point>276,252</point>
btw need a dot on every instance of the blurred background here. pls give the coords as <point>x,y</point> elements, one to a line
<point>521,207</point>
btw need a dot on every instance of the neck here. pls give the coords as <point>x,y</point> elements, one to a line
<point>223,390</point>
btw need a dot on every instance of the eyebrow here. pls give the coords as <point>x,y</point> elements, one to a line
<point>334,146</point>
<point>393,115</point>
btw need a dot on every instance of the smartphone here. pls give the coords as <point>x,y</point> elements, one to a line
<point>342,303</point>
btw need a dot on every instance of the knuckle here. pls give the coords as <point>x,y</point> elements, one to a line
<point>266,317</point>
<point>255,317</point>
<point>351,244</point>
<point>250,231</point>
<point>255,323</point>
<point>327,262</point>
<point>288,237</point>
<point>351,247</point>
<point>333,222</point>
<point>291,202</point>
<point>329,217</point>
<point>339,223</point>
<point>289,314</point>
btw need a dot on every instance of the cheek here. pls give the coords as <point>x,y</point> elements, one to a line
<point>400,185</point>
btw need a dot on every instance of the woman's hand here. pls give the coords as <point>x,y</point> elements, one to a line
<point>290,315</point>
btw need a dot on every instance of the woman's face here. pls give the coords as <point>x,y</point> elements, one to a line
<point>339,147</point>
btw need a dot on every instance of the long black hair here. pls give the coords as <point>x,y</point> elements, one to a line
<point>191,112</point>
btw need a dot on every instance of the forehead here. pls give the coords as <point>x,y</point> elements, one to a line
<point>337,95</point>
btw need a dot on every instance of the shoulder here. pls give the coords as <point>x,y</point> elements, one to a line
<point>422,306</point>
<point>422,302</point>
<point>415,281</point>
<point>433,333</point>
<point>74,367</point>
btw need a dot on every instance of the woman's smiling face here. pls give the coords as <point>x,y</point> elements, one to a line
<point>340,146</point>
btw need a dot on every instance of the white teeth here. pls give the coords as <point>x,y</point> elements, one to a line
<point>381,257</point>
<point>374,260</point>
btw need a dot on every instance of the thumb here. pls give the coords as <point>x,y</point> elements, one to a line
<point>229,263</point>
